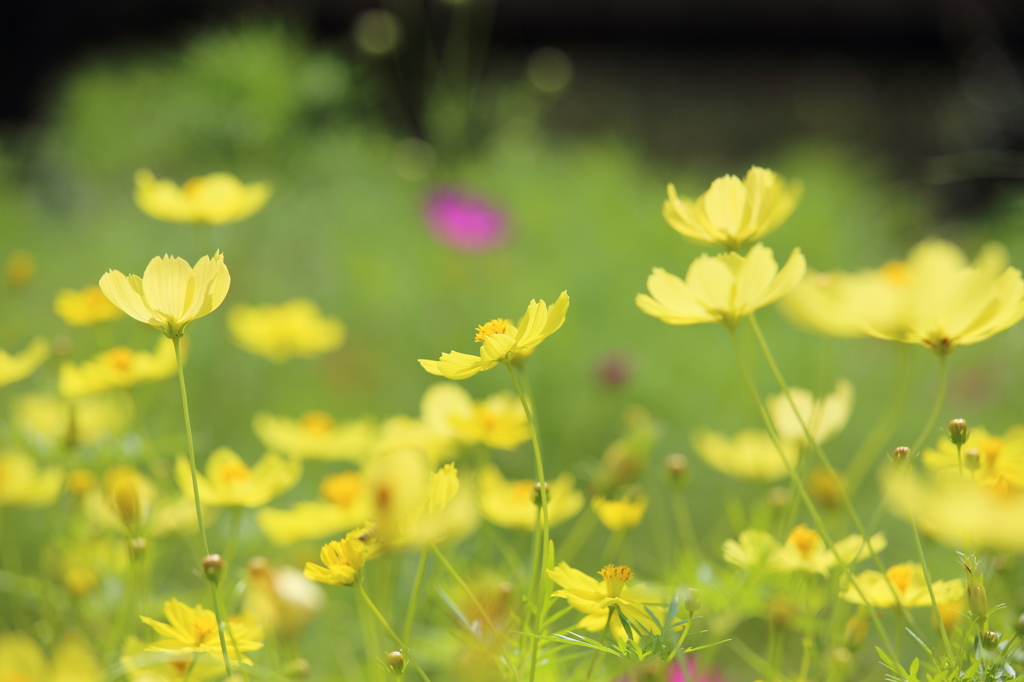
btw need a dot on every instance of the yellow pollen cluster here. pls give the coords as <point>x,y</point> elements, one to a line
<point>900,576</point>
<point>615,578</point>
<point>317,422</point>
<point>204,627</point>
<point>341,489</point>
<point>804,539</point>
<point>495,326</point>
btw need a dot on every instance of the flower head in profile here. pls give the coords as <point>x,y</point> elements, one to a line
<point>734,212</point>
<point>171,293</point>
<point>342,560</point>
<point>213,199</point>
<point>804,551</point>
<point>510,504</point>
<point>117,367</point>
<point>502,340</point>
<point>24,484</point>
<point>17,366</point>
<point>293,329</point>
<point>620,514</point>
<point>47,420</point>
<point>596,597</point>
<point>85,307</point>
<point>195,630</point>
<point>1000,458</point>
<point>465,222</point>
<point>825,416</point>
<point>907,582</point>
<point>722,289</point>
<point>343,506</point>
<point>316,435</point>
<point>749,454</point>
<point>230,482</point>
<point>498,421</point>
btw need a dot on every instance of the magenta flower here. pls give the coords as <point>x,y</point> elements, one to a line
<point>674,673</point>
<point>465,222</point>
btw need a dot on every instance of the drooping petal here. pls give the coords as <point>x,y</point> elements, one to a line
<point>126,294</point>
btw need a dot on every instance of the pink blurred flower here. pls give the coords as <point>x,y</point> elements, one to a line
<point>674,673</point>
<point>465,222</point>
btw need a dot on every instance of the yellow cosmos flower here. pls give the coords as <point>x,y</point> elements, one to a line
<point>502,340</point>
<point>825,416</point>
<point>281,598</point>
<point>447,513</point>
<point>734,212</point>
<point>909,584</point>
<point>803,551</point>
<point>170,294</point>
<point>1000,458</point>
<point>840,303</point>
<point>749,454</point>
<point>510,504</point>
<point>293,329</point>
<point>497,421</point>
<point>17,366</point>
<point>723,288</point>
<point>344,506</point>
<point>117,367</point>
<point>48,421</point>
<point>621,514</point>
<point>402,432</point>
<point>342,560</point>
<point>146,666</point>
<point>80,564</point>
<point>83,308</point>
<point>315,435</point>
<point>213,199</point>
<point>24,484</point>
<point>595,598</point>
<point>128,502</point>
<point>23,660</point>
<point>230,482</point>
<point>194,630</point>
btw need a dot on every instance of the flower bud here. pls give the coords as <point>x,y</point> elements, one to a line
<point>677,467</point>
<point>972,459</point>
<point>137,548</point>
<point>958,431</point>
<point>990,640</point>
<point>691,600</point>
<point>536,493</point>
<point>977,600</point>
<point>213,566</point>
<point>900,456</point>
<point>395,662</point>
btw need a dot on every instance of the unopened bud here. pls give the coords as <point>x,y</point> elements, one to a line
<point>677,467</point>
<point>977,600</point>
<point>990,640</point>
<point>900,455</point>
<point>972,459</point>
<point>1019,625</point>
<point>137,548</point>
<point>691,600</point>
<point>958,431</point>
<point>856,630</point>
<point>537,496</point>
<point>213,565</point>
<point>395,662</point>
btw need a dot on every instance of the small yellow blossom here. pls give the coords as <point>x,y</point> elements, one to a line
<point>497,421</point>
<point>213,199</point>
<point>825,416</point>
<point>24,484</point>
<point>734,212</point>
<point>344,506</point>
<point>293,329</point>
<point>194,630</point>
<point>81,563</point>
<point>170,294</point>
<point>908,582</point>
<point>17,366</point>
<point>118,367</point>
<point>749,454</point>
<point>402,432</point>
<point>72,660</point>
<point>510,504</point>
<point>502,340</point>
<point>85,307</point>
<point>281,598</point>
<point>148,666</point>
<point>447,512</point>
<point>50,421</point>
<point>804,551</point>
<point>596,598</point>
<point>342,561</point>
<point>128,502</point>
<point>230,482</point>
<point>20,268</point>
<point>315,435</point>
<point>722,289</point>
<point>1000,458</point>
<point>621,514</point>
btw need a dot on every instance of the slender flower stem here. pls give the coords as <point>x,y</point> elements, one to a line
<point>199,506</point>
<point>465,588</point>
<point>931,590</point>
<point>940,398</point>
<point>410,611</point>
<point>679,644</point>
<point>387,628</point>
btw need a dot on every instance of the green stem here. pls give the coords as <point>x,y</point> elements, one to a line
<point>679,644</point>
<point>597,652</point>
<point>940,397</point>
<point>410,611</point>
<point>219,600</point>
<point>387,628</point>
<point>465,588</point>
<point>931,590</point>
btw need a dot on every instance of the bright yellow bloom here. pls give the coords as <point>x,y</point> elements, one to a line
<point>24,484</point>
<point>84,308</point>
<point>1000,458</point>
<point>213,199</point>
<point>49,421</point>
<point>293,329</point>
<point>315,435</point>
<point>595,598</point>
<point>909,584</point>
<point>194,630</point>
<point>621,514</point>
<point>118,367</point>
<point>17,366</point>
<point>723,288</point>
<point>498,421</point>
<point>734,212</point>
<point>804,551</point>
<point>342,560</point>
<point>344,506</point>
<point>170,294</point>
<point>749,454</point>
<point>825,416</point>
<point>281,598</point>
<point>147,666</point>
<point>23,660</point>
<point>230,482</point>
<point>502,340</point>
<point>510,504</point>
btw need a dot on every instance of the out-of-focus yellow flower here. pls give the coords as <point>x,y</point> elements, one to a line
<point>194,630</point>
<point>85,307</point>
<point>24,484</point>
<point>620,514</point>
<point>48,420</point>
<point>595,598</point>
<point>510,504</point>
<point>80,481</point>
<point>315,435</point>
<point>150,666</point>
<point>626,457</point>
<point>909,584</point>
<point>402,432</point>
<point>839,303</point>
<point>825,416</point>
<point>446,513</point>
<point>80,564</point>
<point>281,598</point>
<point>396,487</point>
<point>1000,458</point>
<point>749,454</point>
<point>230,482</point>
<point>497,421</point>
<point>129,494</point>
<point>804,550</point>
<point>23,660</point>
<point>128,502</point>
<point>734,212</point>
<point>293,329</point>
<point>345,506</point>
<point>118,367</point>
<point>342,561</point>
<point>20,268</point>
<point>502,340</point>
<point>17,366</point>
<point>723,288</point>
<point>171,293</point>
<point>213,199</point>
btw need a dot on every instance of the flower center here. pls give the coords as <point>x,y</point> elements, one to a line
<point>341,489</point>
<point>804,539</point>
<point>204,627</point>
<point>991,448</point>
<point>522,491</point>
<point>900,576</point>
<point>233,473</point>
<point>615,578</point>
<point>193,186</point>
<point>180,667</point>
<point>896,273</point>
<point>317,422</point>
<point>119,358</point>
<point>495,326</point>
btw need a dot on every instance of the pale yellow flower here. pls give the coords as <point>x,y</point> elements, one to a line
<point>1000,458</point>
<point>230,482</point>
<point>446,513</point>
<point>397,486</point>
<point>315,435</point>
<point>907,581</point>
<point>402,432</point>
<point>281,598</point>
<point>17,366</point>
<point>734,212</point>
<point>803,551</point>
<point>170,294</point>
<point>595,598</point>
<point>502,340</point>
<point>82,308</point>
<point>510,504</point>
<point>194,630</point>
<point>118,367</point>
<point>23,660</point>
<point>213,199</point>
<point>50,421</point>
<point>81,563</point>
<point>825,416</point>
<point>623,514</point>
<point>344,506</point>
<point>342,560</point>
<point>128,502</point>
<point>840,303</point>
<point>748,454</point>
<point>24,484</point>
<point>723,288</point>
<point>497,421</point>
<point>293,329</point>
